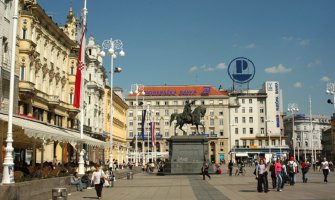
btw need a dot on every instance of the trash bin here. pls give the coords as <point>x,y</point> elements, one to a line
<point>59,193</point>
<point>130,175</point>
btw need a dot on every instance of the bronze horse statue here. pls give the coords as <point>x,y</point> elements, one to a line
<point>197,114</point>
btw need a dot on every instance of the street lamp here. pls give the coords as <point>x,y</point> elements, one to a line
<point>137,89</point>
<point>114,47</point>
<point>269,120</point>
<point>8,164</point>
<point>293,107</point>
<point>331,90</point>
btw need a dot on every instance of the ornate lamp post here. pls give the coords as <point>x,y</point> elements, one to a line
<point>114,47</point>
<point>137,89</point>
<point>331,90</point>
<point>293,107</point>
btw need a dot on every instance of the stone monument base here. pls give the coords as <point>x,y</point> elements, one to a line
<point>187,154</point>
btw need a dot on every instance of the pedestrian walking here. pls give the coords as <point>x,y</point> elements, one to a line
<point>230,167</point>
<point>278,172</point>
<point>261,175</point>
<point>284,174</point>
<point>292,170</point>
<point>98,178</point>
<point>204,170</point>
<point>325,169</point>
<point>304,170</point>
<point>273,174</point>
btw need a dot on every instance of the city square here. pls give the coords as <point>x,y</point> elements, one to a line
<point>193,87</point>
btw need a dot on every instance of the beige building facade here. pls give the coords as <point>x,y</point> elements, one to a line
<point>165,100</point>
<point>120,147</point>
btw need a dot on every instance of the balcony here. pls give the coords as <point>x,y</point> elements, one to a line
<point>26,46</point>
<point>53,100</point>
<point>26,90</point>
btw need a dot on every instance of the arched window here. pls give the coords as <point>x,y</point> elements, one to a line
<point>24,33</point>
<point>72,70</point>
<point>71,98</point>
<point>22,71</point>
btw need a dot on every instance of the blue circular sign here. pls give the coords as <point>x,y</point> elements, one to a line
<point>241,70</point>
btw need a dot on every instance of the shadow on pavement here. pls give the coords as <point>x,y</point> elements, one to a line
<point>248,190</point>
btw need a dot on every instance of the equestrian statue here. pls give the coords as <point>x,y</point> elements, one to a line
<point>189,117</point>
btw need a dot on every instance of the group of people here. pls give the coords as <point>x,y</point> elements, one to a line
<point>98,179</point>
<point>284,171</point>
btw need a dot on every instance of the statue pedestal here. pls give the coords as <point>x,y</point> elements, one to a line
<point>187,154</point>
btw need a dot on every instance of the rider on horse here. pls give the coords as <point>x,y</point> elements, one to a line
<point>188,111</point>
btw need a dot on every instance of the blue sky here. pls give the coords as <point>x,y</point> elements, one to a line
<point>186,42</point>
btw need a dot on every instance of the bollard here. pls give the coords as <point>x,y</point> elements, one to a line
<point>59,194</point>
<point>131,175</point>
<point>128,175</point>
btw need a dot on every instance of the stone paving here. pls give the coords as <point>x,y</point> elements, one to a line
<point>192,187</point>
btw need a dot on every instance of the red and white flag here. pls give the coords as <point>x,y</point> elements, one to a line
<point>80,67</point>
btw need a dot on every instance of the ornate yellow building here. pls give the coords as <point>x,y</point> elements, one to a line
<point>46,65</point>
<point>119,125</point>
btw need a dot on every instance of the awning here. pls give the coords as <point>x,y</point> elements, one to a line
<point>241,154</point>
<point>41,130</point>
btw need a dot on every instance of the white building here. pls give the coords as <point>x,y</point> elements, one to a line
<point>6,15</point>
<point>94,88</point>
<point>308,135</point>
<point>256,122</point>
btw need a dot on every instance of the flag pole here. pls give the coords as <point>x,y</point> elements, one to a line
<point>81,167</point>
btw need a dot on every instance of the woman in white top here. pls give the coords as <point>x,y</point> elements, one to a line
<point>96,180</point>
<point>325,169</point>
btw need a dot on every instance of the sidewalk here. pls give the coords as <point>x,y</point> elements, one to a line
<point>223,187</point>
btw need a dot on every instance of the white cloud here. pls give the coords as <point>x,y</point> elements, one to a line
<point>325,79</point>
<point>221,66</point>
<point>207,68</point>
<point>314,63</point>
<point>297,85</point>
<point>277,69</point>
<point>288,38</point>
<point>250,46</point>
<point>303,42</point>
<point>193,69</point>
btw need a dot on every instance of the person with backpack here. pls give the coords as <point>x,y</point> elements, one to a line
<point>292,170</point>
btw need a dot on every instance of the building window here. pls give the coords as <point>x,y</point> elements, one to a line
<point>166,103</point>
<point>211,122</point>
<point>236,110</point>
<point>166,134</point>
<point>243,101</point>
<point>273,142</point>
<point>221,113</point>
<point>131,134</point>
<point>252,143</point>
<point>236,130</point>
<point>72,70</point>
<point>211,131</point>
<point>243,109</point>
<point>130,114</point>
<point>167,123</point>
<point>244,131</point>
<point>166,112</point>
<point>262,119</point>
<point>261,102</point>
<point>244,143</point>
<point>236,143</point>
<point>262,131</point>
<point>58,120</point>
<point>211,113</point>
<point>89,99</point>
<point>261,110</point>
<point>251,120</point>
<point>88,122</point>
<point>202,102</point>
<point>251,130</point>
<point>221,133</point>
<point>131,123</point>
<point>22,72</point>
<point>236,120</point>
<point>250,100</point>
<point>24,33</point>
<point>221,122</point>
<point>250,109</point>
<point>260,143</point>
<point>222,143</point>
<point>243,119</point>
<point>157,103</point>
<point>90,52</point>
<point>71,98</point>
<point>89,77</point>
